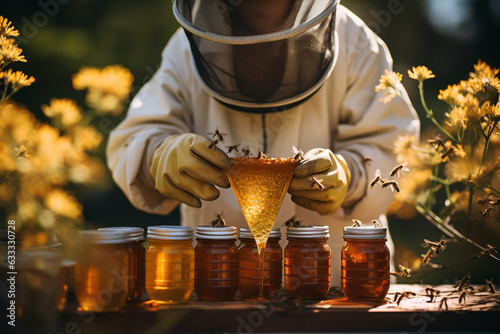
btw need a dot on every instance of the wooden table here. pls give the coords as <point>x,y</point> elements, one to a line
<point>479,313</point>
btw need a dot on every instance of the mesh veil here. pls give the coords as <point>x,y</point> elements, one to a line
<point>260,55</point>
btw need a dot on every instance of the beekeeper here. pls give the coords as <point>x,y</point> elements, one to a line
<point>267,74</point>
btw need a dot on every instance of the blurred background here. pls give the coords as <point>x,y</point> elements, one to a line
<point>61,36</point>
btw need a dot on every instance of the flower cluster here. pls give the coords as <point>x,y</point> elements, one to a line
<point>459,161</point>
<point>42,163</point>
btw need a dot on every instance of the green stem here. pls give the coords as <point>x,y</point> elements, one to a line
<point>430,113</point>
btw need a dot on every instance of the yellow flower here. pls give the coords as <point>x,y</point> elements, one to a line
<point>16,122</point>
<point>17,79</point>
<point>65,111</point>
<point>420,73</point>
<point>456,118</point>
<point>10,53</point>
<point>472,110</point>
<point>482,69</point>
<point>388,83</point>
<point>451,95</point>
<point>114,80</point>
<point>86,138</point>
<point>64,204</point>
<point>6,29</point>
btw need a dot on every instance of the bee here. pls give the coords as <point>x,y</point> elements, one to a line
<point>378,178</point>
<point>405,271</point>
<point>232,148</point>
<point>219,221</point>
<point>486,84</point>
<point>218,134</point>
<point>463,283</point>
<point>431,293</point>
<point>262,155</point>
<point>400,169</point>
<point>367,160</point>
<point>213,144</point>
<point>357,223</point>
<point>298,154</point>
<point>437,246</point>
<point>438,141</point>
<point>427,256</point>
<point>392,184</point>
<point>486,212</point>
<point>443,302</point>
<point>315,183</point>
<point>375,223</point>
<point>404,294</point>
<point>292,221</point>
<point>450,152</point>
<point>490,199</point>
<point>490,286</point>
<point>246,152</point>
<point>489,250</point>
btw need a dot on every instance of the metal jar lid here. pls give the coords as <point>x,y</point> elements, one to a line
<point>103,237</point>
<point>133,233</point>
<point>246,233</point>
<point>220,233</point>
<point>365,232</point>
<point>308,231</point>
<point>170,232</point>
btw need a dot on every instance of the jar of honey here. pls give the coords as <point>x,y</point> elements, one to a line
<point>169,264</point>
<point>101,271</point>
<point>307,262</point>
<point>248,264</point>
<point>137,259</point>
<point>365,268</point>
<point>216,263</point>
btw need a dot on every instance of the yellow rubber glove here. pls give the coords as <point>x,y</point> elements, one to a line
<point>332,172</point>
<point>185,169</point>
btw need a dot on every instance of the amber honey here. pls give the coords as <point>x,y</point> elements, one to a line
<point>248,264</point>
<point>365,268</point>
<point>307,262</point>
<point>216,263</point>
<point>101,271</point>
<point>137,259</point>
<point>169,264</point>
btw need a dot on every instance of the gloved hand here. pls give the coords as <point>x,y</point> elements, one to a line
<point>324,165</point>
<point>184,168</point>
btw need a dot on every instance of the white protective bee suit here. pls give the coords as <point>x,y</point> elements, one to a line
<point>344,115</point>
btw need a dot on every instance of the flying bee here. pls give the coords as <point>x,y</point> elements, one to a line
<point>357,223</point>
<point>443,302</point>
<point>213,144</point>
<point>375,223</point>
<point>450,152</point>
<point>437,246</point>
<point>232,148</point>
<point>298,155</point>
<point>490,286</point>
<point>490,199</point>
<point>427,257</point>
<point>292,221</point>
<point>246,152</point>
<point>392,184</point>
<point>405,271</point>
<point>463,283</point>
<point>431,293</point>
<point>315,183</point>
<point>378,178</point>
<point>438,141</point>
<point>219,221</point>
<point>218,134</point>
<point>486,212</point>
<point>367,160</point>
<point>401,168</point>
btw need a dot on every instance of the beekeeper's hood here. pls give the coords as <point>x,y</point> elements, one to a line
<point>260,55</point>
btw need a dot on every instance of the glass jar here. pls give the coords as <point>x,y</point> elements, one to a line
<point>248,264</point>
<point>216,263</point>
<point>169,264</point>
<point>101,271</point>
<point>307,262</point>
<point>365,269</point>
<point>137,259</point>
